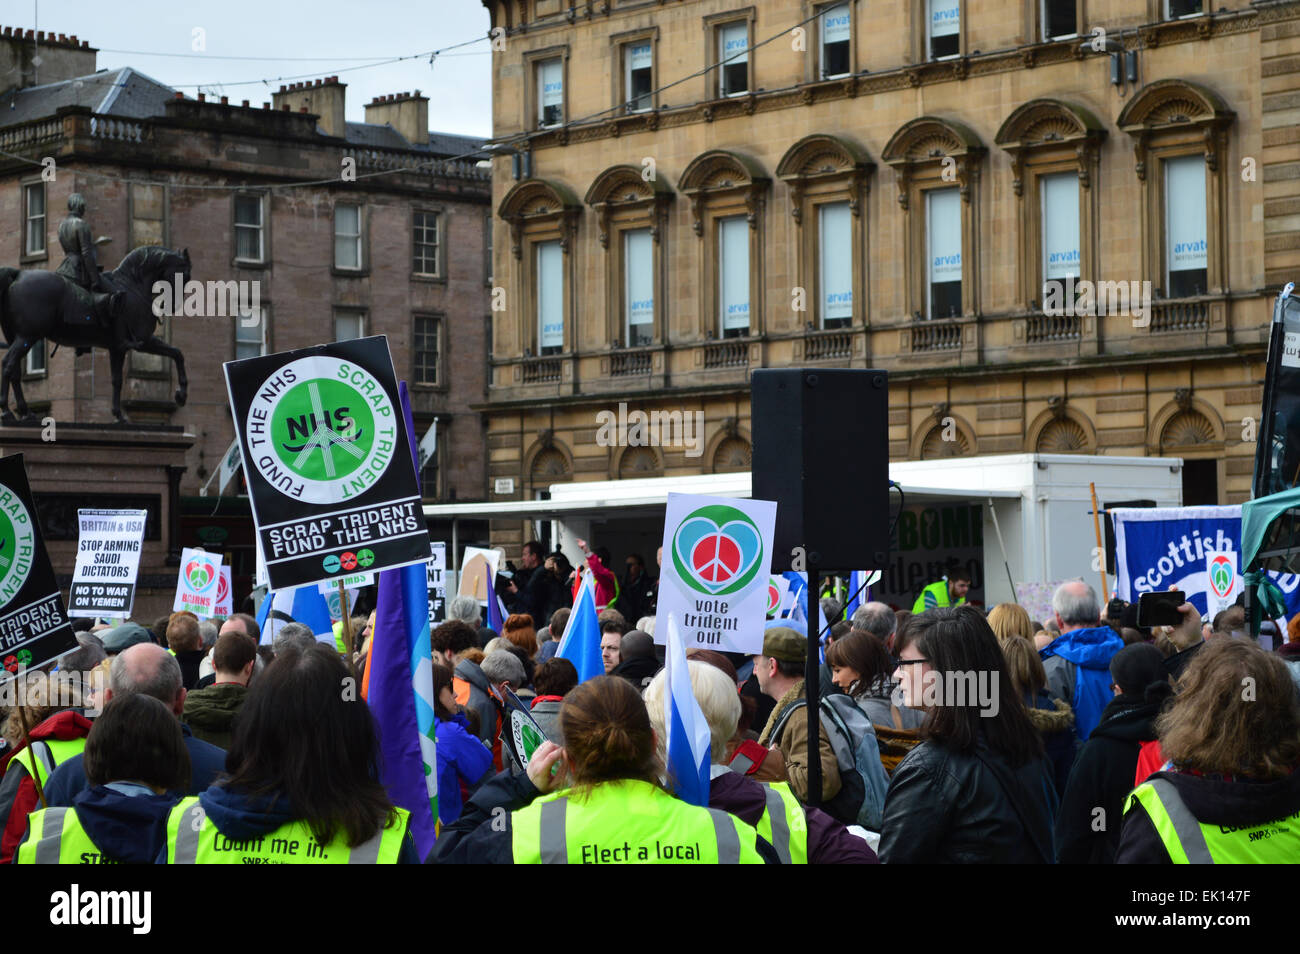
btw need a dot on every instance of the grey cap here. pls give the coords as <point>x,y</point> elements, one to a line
<point>124,637</point>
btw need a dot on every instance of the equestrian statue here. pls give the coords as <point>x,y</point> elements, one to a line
<point>81,307</point>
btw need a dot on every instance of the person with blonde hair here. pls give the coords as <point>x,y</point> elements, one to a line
<point>1010,619</point>
<point>1053,718</point>
<point>798,835</point>
<point>1229,791</point>
<point>595,800</point>
<point>57,731</point>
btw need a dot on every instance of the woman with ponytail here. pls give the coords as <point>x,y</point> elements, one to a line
<point>1103,772</point>
<point>596,800</point>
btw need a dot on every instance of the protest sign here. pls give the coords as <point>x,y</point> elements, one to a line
<point>716,571</point>
<point>1156,547</point>
<point>327,462</point>
<point>225,599</point>
<point>520,733</point>
<point>335,603</point>
<point>437,572</point>
<point>478,573</point>
<point>34,627</point>
<point>779,596</point>
<point>352,582</point>
<point>197,583</point>
<point>1223,581</point>
<point>109,543</point>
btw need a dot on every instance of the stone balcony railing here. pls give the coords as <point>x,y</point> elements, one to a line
<point>828,345</point>
<point>542,370</point>
<point>623,363</point>
<point>936,336</point>
<point>726,354</point>
<point>1044,328</point>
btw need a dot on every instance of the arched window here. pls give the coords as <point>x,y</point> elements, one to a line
<point>1179,132</point>
<point>1054,150</point>
<point>727,193</point>
<point>937,163</point>
<point>828,177</point>
<point>543,218</point>
<point>631,214</point>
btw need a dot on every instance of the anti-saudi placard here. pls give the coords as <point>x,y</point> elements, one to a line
<point>34,627</point>
<point>328,461</point>
<point>108,558</point>
<point>715,575</point>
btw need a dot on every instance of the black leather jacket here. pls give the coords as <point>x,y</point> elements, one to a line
<point>948,807</point>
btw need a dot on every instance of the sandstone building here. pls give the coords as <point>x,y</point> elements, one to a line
<point>687,191</point>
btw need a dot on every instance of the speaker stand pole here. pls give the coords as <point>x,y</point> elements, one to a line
<point>812,685</point>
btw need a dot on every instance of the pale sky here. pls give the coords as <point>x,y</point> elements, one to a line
<point>337,35</point>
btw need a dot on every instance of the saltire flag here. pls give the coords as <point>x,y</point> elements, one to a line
<point>799,587</point>
<point>581,642</point>
<point>400,688</point>
<point>496,611</point>
<point>301,604</point>
<point>689,749</point>
<point>859,592</point>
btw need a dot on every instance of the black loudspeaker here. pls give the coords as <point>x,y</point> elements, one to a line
<point>821,451</point>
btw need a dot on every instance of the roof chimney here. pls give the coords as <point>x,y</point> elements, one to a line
<point>405,112</point>
<point>325,98</point>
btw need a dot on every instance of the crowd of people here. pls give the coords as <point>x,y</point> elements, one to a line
<point>947,734</point>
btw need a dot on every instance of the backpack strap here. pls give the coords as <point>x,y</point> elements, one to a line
<point>783,718</point>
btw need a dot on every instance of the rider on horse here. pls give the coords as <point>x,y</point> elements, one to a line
<point>81,268</point>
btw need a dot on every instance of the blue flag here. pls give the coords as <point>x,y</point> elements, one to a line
<point>689,747</point>
<point>400,691</point>
<point>302,604</point>
<point>581,642</point>
<point>496,617</point>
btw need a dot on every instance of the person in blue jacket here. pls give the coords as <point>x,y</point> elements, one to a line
<point>135,755</point>
<point>1077,662</point>
<point>462,757</point>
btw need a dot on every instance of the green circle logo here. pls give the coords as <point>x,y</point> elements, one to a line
<point>17,545</point>
<point>322,430</point>
<point>527,738</point>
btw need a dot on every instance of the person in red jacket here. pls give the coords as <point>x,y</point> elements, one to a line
<point>606,585</point>
<point>18,796</point>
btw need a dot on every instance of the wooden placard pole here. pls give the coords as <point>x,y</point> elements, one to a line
<point>1101,545</point>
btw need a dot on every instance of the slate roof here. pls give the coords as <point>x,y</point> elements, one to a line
<point>124,92</point>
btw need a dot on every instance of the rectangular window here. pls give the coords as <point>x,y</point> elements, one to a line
<point>487,248</point>
<point>835,261</point>
<point>1177,9</point>
<point>34,216</point>
<point>733,55</point>
<point>638,76</point>
<point>250,334</point>
<point>638,286</point>
<point>733,276</point>
<point>347,236</point>
<point>943,28</point>
<point>425,244</point>
<point>1059,19</point>
<point>1060,226</point>
<point>148,214</point>
<point>835,41</point>
<point>35,359</point>
<point>249,245</point>
<point>943,253</point>
<point>1186,247</point>
<point>550,298</point>
<point>550,92</point>
<point>426,349</point>
<point>349,325</point>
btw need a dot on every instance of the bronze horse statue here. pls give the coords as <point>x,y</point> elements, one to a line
<point>36,304</point>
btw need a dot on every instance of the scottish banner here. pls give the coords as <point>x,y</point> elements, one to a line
<point>1193,549</point>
